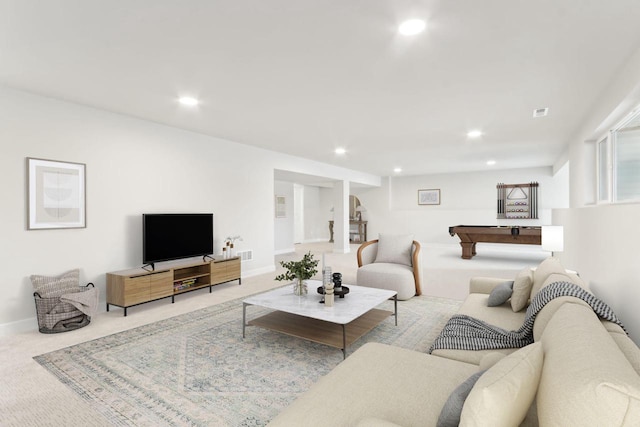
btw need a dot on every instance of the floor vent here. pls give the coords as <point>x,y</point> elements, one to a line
<point>245,255</point>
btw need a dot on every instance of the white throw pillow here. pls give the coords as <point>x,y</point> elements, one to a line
<point>503,394</point>
<point>521,289</point>
<point>395,249</point>
<point>545,269</point>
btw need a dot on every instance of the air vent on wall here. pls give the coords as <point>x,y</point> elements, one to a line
<point>245,255</point>
<point>540,112</point>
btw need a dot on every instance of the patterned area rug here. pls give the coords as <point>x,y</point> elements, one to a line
<point>196,370</point>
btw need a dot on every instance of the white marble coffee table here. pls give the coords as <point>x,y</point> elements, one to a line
<point>339,326</point>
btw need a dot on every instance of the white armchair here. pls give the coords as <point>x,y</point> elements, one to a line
<point>391,262</point>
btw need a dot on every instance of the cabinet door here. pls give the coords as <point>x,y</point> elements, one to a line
<point>225,271</point>
<point>232,271</point>
<point>136,290</point>
<point>218,272</point>
<point>161,285</point>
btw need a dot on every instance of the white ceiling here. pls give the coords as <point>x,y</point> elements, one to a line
<point>305,76</point>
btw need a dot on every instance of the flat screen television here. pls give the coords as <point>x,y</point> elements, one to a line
<point>173,236</point>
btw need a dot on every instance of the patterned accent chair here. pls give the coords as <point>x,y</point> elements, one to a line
<point>391,262</point>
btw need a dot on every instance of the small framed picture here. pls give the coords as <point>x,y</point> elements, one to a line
<point>281,207</point>
<point>56,194</point>
<point>429,197</point>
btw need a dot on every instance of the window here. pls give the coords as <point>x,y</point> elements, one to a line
<point>619,162</point>
<point>603,170</point>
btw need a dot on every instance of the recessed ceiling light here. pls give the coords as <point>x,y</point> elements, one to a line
<point>188,101</point>
<point>474,133</point>
<point>412,27</point>
<point>340,150</point>
<point>491,162</point>
<point>397,170</point>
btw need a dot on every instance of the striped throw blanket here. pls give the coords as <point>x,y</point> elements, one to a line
<point>467,333</point>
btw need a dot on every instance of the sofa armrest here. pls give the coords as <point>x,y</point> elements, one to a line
<point>484,285</point>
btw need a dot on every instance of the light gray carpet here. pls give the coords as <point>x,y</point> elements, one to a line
<point>195,369</point>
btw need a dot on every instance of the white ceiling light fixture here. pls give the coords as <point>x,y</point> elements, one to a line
<point>474,133</point>
<point>397,170</point>
<point>411,27</point>
<point>340,151</point>
<point>491,162</point>
<point>188,101</point>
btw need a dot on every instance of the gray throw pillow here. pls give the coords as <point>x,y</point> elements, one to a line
<point>450,414</point>
<point>500,294</point>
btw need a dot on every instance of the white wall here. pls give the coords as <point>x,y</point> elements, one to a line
<point>465,198</point>
<point>600,240</point>
<point>284,227</point>
<point>316,226</point>
<point>601,244</point>
<point>133,167</point>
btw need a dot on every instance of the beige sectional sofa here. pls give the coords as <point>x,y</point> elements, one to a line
<point>580,371</point>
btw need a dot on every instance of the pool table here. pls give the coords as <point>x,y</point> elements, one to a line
<point>471,234</point>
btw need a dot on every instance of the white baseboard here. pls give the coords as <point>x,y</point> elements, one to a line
<point>342,251</point>
<point>284,251</point>
<point>19,326</point>
<point>317,240</point>
<point>258,271</point>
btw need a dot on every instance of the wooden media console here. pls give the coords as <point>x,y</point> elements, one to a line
<point>127,288</point>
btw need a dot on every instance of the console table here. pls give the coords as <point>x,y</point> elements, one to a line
<point>361,233</point>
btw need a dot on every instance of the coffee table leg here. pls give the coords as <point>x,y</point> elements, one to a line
<point>344,341</point>
<point>244,317</point>
<point>395,306</point>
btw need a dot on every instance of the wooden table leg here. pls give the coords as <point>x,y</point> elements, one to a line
<point>467,249</point>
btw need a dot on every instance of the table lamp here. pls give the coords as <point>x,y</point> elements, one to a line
<point>359,210</point>
<point>553,238</point>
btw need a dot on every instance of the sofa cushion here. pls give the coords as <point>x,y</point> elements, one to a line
<point>394,384</point>
<point>545,269</point>
<point>476,305</point>
<point>522,284</point>
<point>503,395</point>
<point>375,422</point>
<point>500,294</point>
<point>490,359</point>
<point>548,311</point>
<point>563,277</point>
<point>395,249</point>
<point>450,414</point>
<point>586,379</point>
<point>55,286</point>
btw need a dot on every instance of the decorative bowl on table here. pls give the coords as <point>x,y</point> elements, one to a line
<point>339,292</point>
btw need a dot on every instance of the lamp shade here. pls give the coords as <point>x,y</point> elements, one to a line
<point>553,238</point>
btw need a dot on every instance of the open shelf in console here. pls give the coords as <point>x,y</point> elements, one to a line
<point>191,277</point>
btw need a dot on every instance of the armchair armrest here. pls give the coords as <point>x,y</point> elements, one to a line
<point>416,258</point>
<point>484,285</point>
<point>367,252</point>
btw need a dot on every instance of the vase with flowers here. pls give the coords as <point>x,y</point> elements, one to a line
<point>299,272</point>
<point>229,245</point>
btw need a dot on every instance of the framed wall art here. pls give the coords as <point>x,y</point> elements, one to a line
<point>429,197</point>
<point>56,194</point>
<point>281,207</point>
